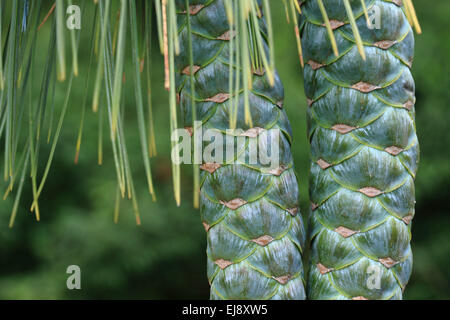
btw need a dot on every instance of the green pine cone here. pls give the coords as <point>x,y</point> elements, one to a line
<point>254,227</point>
<point>364,151</point>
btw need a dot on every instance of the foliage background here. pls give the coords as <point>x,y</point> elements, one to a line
<point>165,257</point>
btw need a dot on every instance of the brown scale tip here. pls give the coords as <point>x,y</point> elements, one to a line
<point>210,167</point>
<point>323,164</point>
<point>323,269</point>
<point>388,262</point>
<point>343,128</point>
<point>226,35</point>
<point>278,171</point>
<point>194,9</point>
<point>345,232</point>
<point>408,105</point>
<point>219,98</point>
<point>293,211</point>
<point>359,298</point>
<point>189,130</point>
<point>258,71</point>
<point>282,279</point>
<point>187,70</point>
<point>370,192</point>
<point>407,219</point>
<point>280,104</point>
<point>393,150</point>
<point>206,226</point>
<point>253,132</point>
<point>263,240</point>
<point>223,263</point>
<point>315,65</point>
<point>365,87</point>
<point>384,44</point>
<point>234,204</point>
<point>335,24</point>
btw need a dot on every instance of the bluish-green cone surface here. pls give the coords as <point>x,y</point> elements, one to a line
<point>364,151</point>
<point>254,229</point>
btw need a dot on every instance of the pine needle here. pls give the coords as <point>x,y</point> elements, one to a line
<point>196,168</point>
<point>237,88</point>
<point>115,143</point>
<point>297,6</point>
<point>148,51</point>
<point>129,177</point>
<point>297,36</point>
<point>328,26</point>
<point>116,31</point>
<point>53,147</point>
<point>74,48</point>
<point>10,92</point>
<point>100,65</point>
<point>408,15</point>
<point>415,22</point>
<point>47,16</point>
<point>228,9</point>
<point>117,206</point>
<point>286,10</point>
<point>60,40</point>
<point>169,27</point>
<point>231,62</point>
<point>138,96</point>
<point>23,160</point>
<point>247,73</point>
<point>173,21</point>
<point>159,23</point>
<point>97,35</point>
<point>366,13</point>
<point>120,61</point>
<point>259,50</point>
<point>2,80</point>
<point>100,137</point>
<point>271,42</point>
<point>83,108</point>
<point>165,45</point>
<point>356,34</point>
<point>19,191</point>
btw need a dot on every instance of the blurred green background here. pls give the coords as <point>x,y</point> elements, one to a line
<point>164,258</point>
